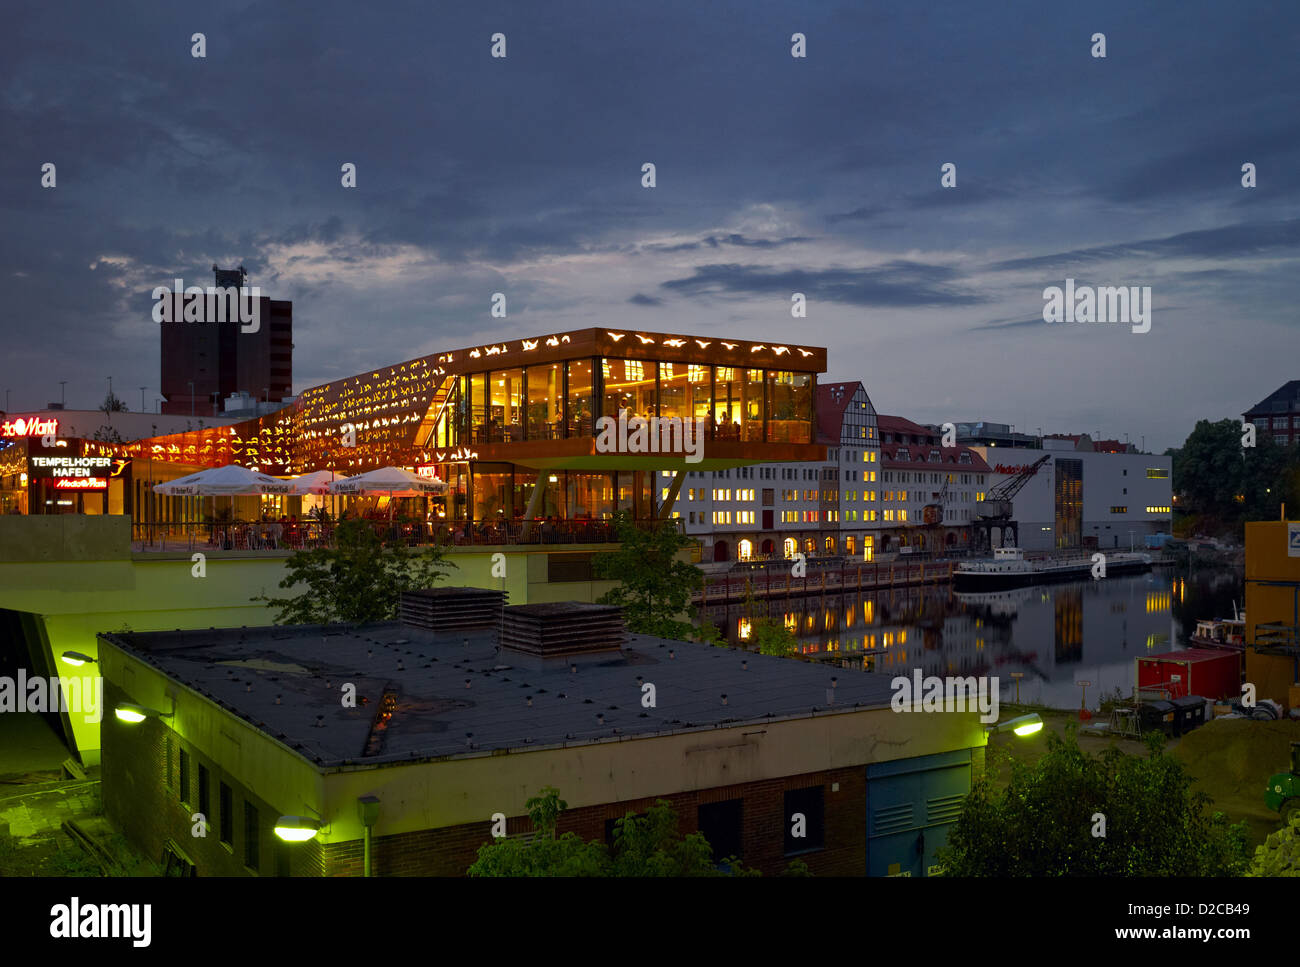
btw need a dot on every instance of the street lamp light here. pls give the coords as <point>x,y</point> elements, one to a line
<point>1022,725</point>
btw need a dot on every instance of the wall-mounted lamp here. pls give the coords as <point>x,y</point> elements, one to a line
<point>297,829</point>
<point>132,714</point>
<point>1022,725</point>
<point>76,658</point>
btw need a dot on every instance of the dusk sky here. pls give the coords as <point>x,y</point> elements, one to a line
<point>775,175</point>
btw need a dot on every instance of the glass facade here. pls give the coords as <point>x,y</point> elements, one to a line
<point>581,398</point>
<point>738,404</point>
<point>505,419</point>
<point>559,400</point>
<point>493,492</point>
<point>590,495</point>
<point>545,402</point>
<point>629,386</point>
<point>478,407</point>
<point>790,407</point>
<point>1069,503</point>
<point>685,391</point>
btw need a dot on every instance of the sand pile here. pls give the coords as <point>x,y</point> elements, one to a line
<point>1233,758</point>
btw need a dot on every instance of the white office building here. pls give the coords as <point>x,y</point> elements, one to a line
<point>1085,498</point>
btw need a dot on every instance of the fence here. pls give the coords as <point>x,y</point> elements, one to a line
<point>860,577</point>
<point>303,535</point>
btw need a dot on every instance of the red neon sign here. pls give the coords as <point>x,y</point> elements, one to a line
<point>31,427</point>
<point>81,483</point>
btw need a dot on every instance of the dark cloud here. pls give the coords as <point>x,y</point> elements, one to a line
<point>735,238</point>
<point>1229,241</point>
<point>865,213</point>
<point>1008,324</point>
<point>640,299</point>
<point>477,175</point>
<point>897,284</point>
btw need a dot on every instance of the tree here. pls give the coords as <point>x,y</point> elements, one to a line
<point>708,633</point>
<point>545,854</point>
<point>112,404</point>
<point>108,434</point>
<point>654,587</point>
<point>1044,823</point>
<point>649,845</point>
<point>359,580</point>
<point>1222,484</point>
<point>1280,854</point>
<point>646,845</point>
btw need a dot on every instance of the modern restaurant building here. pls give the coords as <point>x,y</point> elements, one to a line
<point>513,428</point>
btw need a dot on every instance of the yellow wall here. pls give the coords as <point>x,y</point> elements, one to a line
<point>1267,560</point>
<point>451,792</point>
<point>470,790</point>
<point>276,774</point>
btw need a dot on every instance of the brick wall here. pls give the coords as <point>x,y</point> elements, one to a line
<point>143,799</point>
<point>450,851</point>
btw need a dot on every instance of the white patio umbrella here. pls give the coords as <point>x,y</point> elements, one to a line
<point>228,481</point>
<point>393,481</point>
<point>316,482</point>
<point>231,481</point>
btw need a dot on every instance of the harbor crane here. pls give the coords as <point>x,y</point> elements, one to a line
<point>996,508</point>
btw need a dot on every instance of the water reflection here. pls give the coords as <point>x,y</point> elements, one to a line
<point>1053,635</point>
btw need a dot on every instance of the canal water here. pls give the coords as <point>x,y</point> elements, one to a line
<point>1054,635</point>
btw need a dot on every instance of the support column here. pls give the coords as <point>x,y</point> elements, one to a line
<point>534,501</point>
<point>666,511</point>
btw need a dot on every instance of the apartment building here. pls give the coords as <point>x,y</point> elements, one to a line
<point>885,487</point>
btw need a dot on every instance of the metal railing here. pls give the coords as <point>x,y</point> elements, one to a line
<point>303,535</point>
<point>847,577</point>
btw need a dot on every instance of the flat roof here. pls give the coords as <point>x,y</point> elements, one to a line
<point>1192,655</point>
<point>287,682</point>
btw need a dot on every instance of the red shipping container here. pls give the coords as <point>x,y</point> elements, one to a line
<point>1213,673</point>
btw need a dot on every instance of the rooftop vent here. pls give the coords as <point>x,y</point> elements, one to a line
<point>452,609</point>
<point>563,628</point>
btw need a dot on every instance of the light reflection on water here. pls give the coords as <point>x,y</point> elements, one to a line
<point>1054,634</point>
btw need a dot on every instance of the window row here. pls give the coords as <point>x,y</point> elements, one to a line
<point>556,400</point>
<point>193,789</point>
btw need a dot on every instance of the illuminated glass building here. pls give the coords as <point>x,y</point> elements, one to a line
<point>514,428</point>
